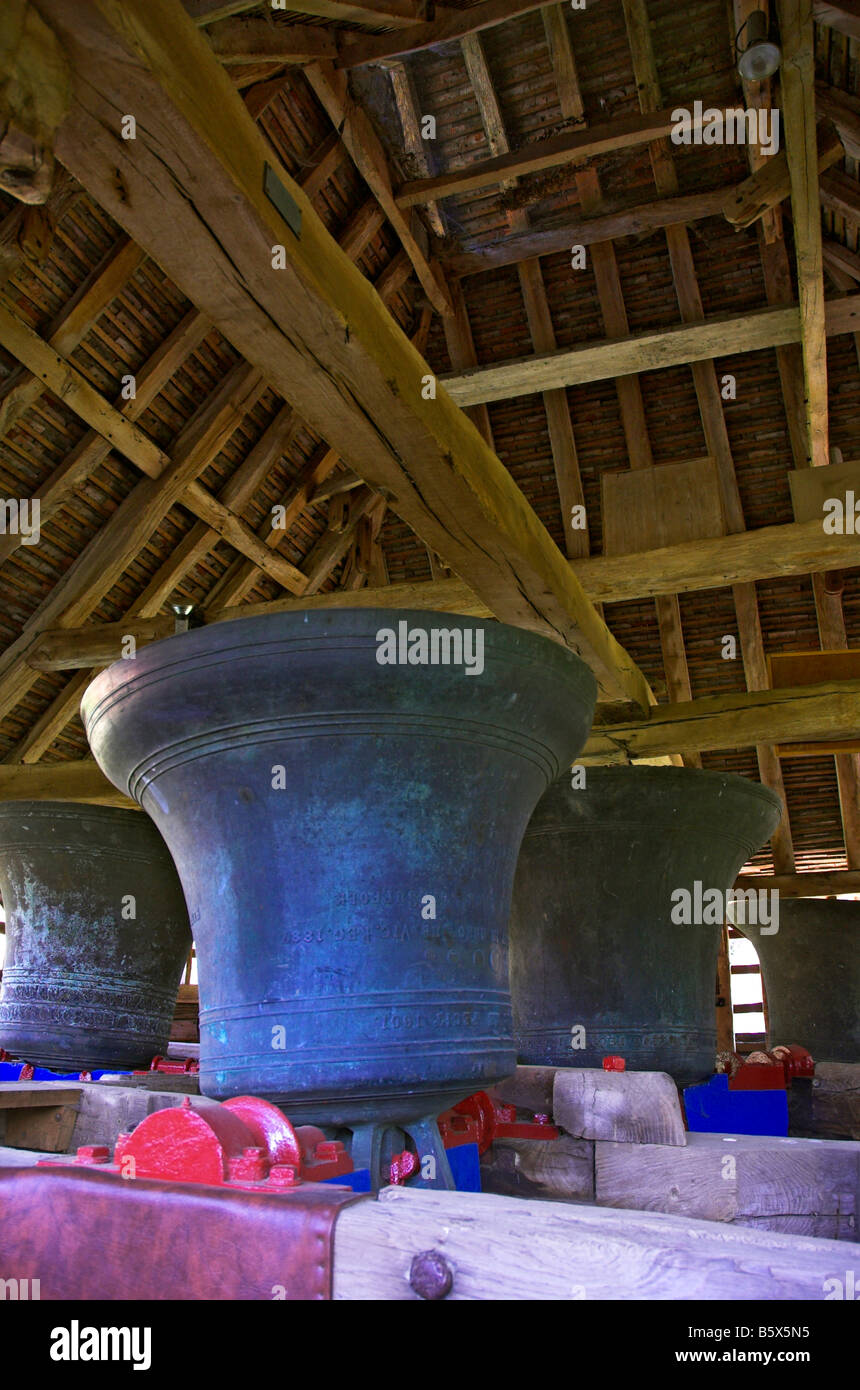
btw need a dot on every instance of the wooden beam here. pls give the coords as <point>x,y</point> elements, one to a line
<point>81,780</point>
<point>93,448</point>
<point>634,220</point>
<point>449,27</point>
<point>840,256</point>
<point>798,104</point>
<point>717,722</point>
<point>73,389</point>
<point>645,352</point>
<point>259,41</point>
<point>393,14</point>
<point>364,146</point>
<point>809,885</point>
<point>844,16</point>
<point>73,322</point>
<point>406,101</point>
<point>625,132</point>
<point>771,184</point>
<point>74,597</point>
<point>315,328</point>
<point>694,566</point>
<point>118,431</point>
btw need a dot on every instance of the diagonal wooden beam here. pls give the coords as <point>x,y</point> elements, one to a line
<point>82,587</point>
<point>770,184</point>
<point>120,433</point>
<point>364,146</point>
<point>406,101</point>
<point>93,448</point>
<point>798,102</point>
<point>313,326</point>
<point>73,323</point>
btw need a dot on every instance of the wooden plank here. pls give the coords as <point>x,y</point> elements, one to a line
<point>393,14</point>
<point>625,132</point>
<point>72,388</point>
<point>450,26</point>
<point>738,720</point>
<point>364,146</point>
<point>210,11</point>
<point>82,780</point>
<point>641,352</point>
<point>48,1127</point>
<point>16,1095</point>
<point>808,668</point>
<point>797,1186</point>
<point>771,184</point>
<point>637,1107</point>
<point>406,101</point>
<point>368,401</point>
<point>514,1249</point>
<point>258,41</point>
<point>602,225</point>
<point>657,507</point>
<point>798,102</point>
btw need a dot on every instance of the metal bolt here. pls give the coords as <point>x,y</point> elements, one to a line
<point>430,1275</point>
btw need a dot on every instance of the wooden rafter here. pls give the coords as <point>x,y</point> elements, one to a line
<point>368,155</point>
<point>367,400</point>
<point>844,16</point>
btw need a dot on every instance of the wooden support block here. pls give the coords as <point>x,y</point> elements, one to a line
<point>558,1169</point>
<point>639,1107</point>
<point>511,1248</point>
<point>812,487</point>
<point>530,1088</point>
<point>37,1115</point>
<point>794,1186</point>
<point>836,1100</point>
<point>647,508</point>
